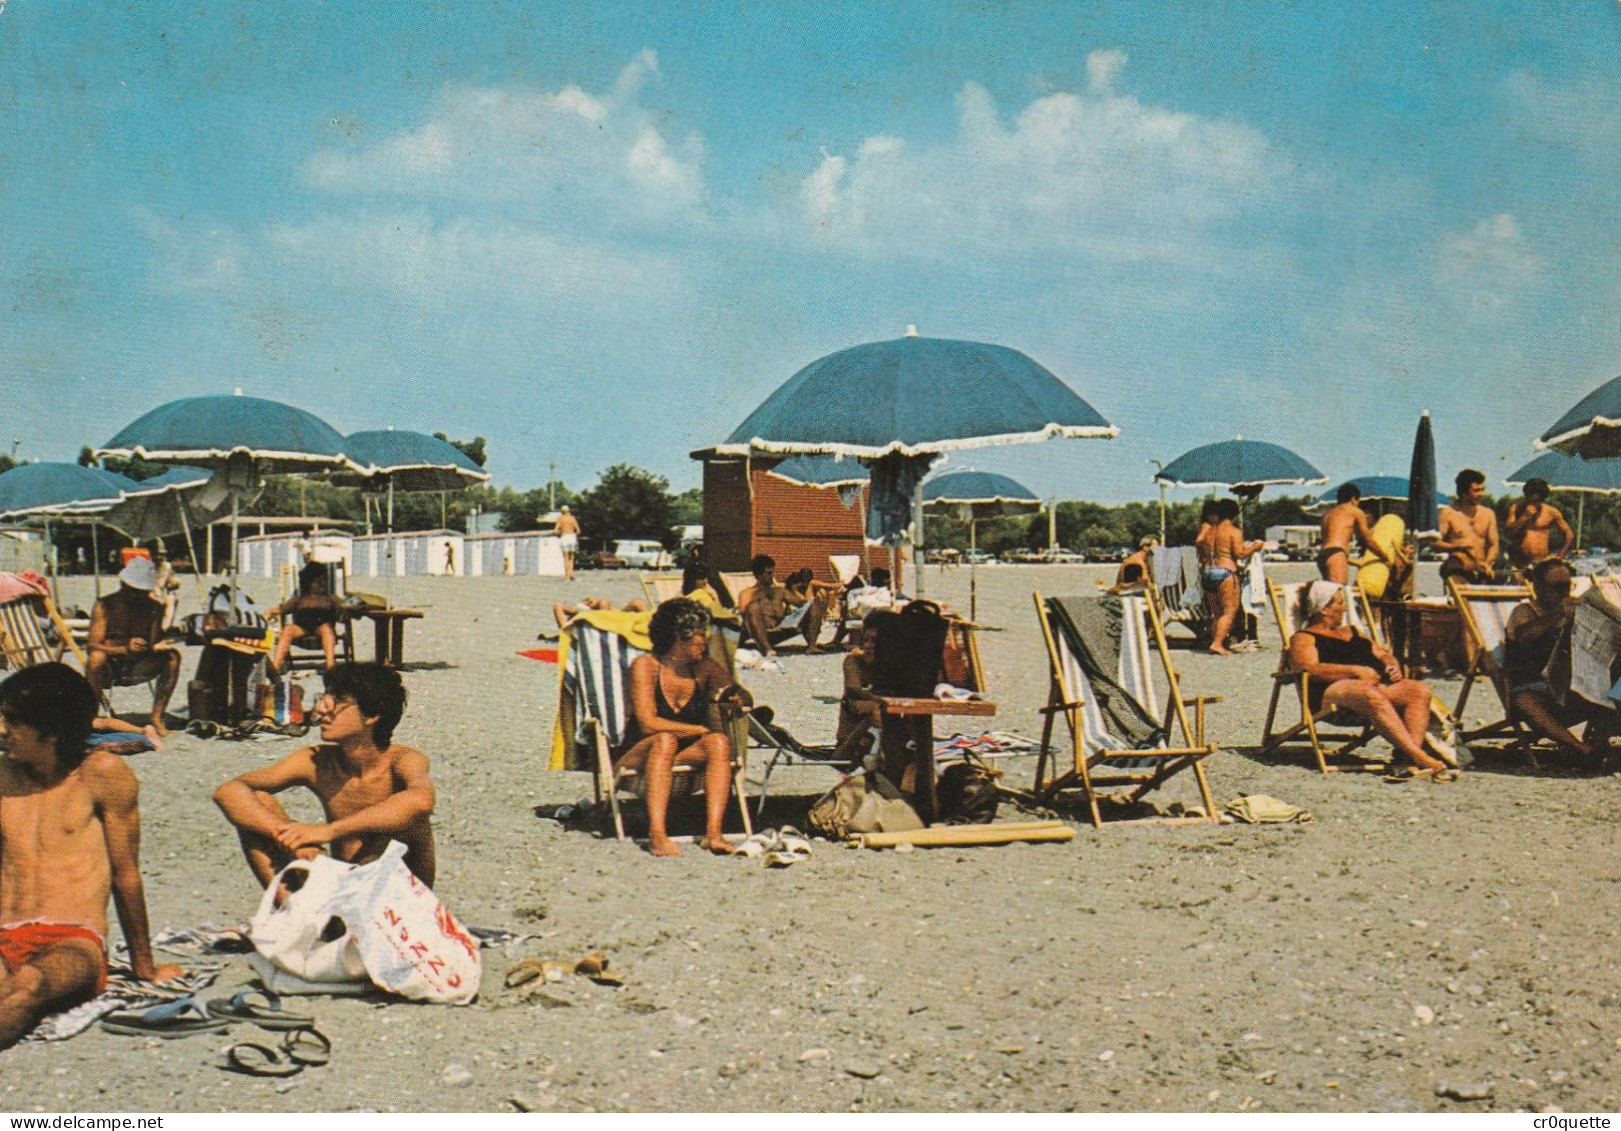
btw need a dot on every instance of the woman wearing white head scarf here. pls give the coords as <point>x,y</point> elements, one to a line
<point>1348,671</point>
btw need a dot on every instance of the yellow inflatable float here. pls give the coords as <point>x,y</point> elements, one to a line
<point>1373,575</point>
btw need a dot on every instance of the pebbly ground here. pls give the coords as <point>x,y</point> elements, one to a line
<point>1416,948</point>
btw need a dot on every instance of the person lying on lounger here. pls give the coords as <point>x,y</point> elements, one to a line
<point>371,789</point>
<point>1349,671</point>
<point>676,694</point>
<point>70,833</point>
<point>1533,631</point>
<point>563,612</point>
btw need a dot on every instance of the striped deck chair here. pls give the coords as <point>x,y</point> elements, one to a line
<point>1101,686</point>
<point>1285,601</point>
<point>596,679</point>
<point>33,632</point>
<point>1485,610</point>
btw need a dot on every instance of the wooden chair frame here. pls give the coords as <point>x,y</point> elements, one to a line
<point>1484,667</point>
<point>1164,762</point>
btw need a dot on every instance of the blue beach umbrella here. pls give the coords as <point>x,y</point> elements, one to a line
<point>1374,488</point>
<point>170,503</point>
<point>974,495</point>
<point>1244,466</point>
<point>399,460</point>
<point>1572,473</point>
<point>1423,511</point>
<point>240,439</point>
<point>1591,430</point>
<point>65,492</point>
<point>915,396</point>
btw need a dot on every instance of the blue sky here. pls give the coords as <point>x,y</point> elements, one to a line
<point>604,233</point>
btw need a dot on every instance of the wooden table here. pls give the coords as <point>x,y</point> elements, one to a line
<point>915,721</point>
<point>390,634</point>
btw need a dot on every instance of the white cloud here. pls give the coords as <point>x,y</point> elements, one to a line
<point>1490,265</point>
<point>595,160</point>
<point>419,259</point>
<point>1096,173</point>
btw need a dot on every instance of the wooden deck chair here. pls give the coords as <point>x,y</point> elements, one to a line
<point>1485,610</point>
<point>660,587</point>
<point>1285,601</point>
<point>597,677</point>
<point>24,640</point>
<point>1107,701</point>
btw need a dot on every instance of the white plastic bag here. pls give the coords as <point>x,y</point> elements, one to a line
<point>373,924</point>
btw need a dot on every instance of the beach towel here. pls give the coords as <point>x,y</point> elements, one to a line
<point>1261,809</point>
<point>124,991</point>
<point>1094,639</point>
<point>18,585</point>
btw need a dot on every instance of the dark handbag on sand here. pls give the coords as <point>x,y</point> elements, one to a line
<point>910,650</point>
<point>966,794</point>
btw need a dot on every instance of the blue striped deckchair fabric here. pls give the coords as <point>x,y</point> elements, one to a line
<point>597,675</point>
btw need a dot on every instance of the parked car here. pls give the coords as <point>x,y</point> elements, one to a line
<point>601,559</point>
<point>641,553</point>
<point>977,557</point>
<point>1062,556</point>
<point>1276,556</point>
<point>1021,556</point>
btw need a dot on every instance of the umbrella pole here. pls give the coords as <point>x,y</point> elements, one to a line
<point>973,570</point>
<point>235,577</point>
<point>917,537</point>
<point>191,549</point>
<point>1581,507</point>
<point>95,556</point>
<point>50,563</point>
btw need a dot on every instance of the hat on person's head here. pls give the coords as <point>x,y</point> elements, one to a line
<point>140,573</point>
<point>565,508</point>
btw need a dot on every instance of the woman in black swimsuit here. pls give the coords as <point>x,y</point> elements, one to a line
<point>313,614</point>
<point>1349,671</point>
<point>675,696</point>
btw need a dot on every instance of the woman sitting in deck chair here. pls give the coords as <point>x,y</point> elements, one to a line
<point>313,614</point>
<point>675,696</point>
<point>1348,671</point>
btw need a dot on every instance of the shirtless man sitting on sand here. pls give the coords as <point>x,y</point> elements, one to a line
<point>126,640</point>
<point>70,834</point>
<point>1469,532</point>
<point>773,613</point>
<point>1530,518</point>
<point>371,790</point>
<point>1343,521</point>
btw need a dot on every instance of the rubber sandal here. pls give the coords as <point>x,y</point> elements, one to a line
<point>307,1048</point>
<point>244,1006</point>
<point>258,1060</point>
<point>529,970</point>
<point>171,1020</point>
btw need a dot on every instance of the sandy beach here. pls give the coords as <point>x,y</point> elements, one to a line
<point>1416,948</point>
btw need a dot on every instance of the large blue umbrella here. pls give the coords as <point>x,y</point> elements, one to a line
<point>915,396</point>
<point>1375,489</point>
<point>398,460</point>
<point>1592,429</point>
<point>1572,473</point>
<point>63,491</point>
<point>1243,465</point>
<point>240,439</point>
<point>170,503</point>
<point>974,495</point>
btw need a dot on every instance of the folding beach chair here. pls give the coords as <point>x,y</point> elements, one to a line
<point>307,652</point>
<point>660,587</point>
<point>33,632</point>
<point>596,682</point>
<point>1485,610</point>
<point>1101,686</point>
<point>1285,601</point>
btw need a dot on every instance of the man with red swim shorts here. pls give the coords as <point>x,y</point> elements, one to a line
<point>70,831</point>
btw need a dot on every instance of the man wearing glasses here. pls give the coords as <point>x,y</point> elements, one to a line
<point>371,790</point>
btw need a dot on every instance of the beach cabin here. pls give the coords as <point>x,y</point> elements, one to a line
<point>420,553</point>
<point>749,511</point>
<point>532,553</point>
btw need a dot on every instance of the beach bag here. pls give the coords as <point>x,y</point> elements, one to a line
<point>910,650</point>
<point>852,808</point>
<point>966,793</point>
<point>281,703</point>
<point>362,926</point>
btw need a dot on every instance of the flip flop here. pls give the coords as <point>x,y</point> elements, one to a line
<point>244,1006</point>
<point>529,970</point>
<point>258,1060</point>
<point>307,1048</point>
<point>791,847</point>
<point>171,1020</point>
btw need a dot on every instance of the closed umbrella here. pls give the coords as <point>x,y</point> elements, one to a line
<point>1423,511</point>
<point>897,405</point>
<point>1592,429</point>
<point>239,439</point>
<point>65,492</point>
<point>973,495</point>
<point>1572,473</point>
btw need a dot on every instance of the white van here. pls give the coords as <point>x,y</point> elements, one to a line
<point>641,553</point>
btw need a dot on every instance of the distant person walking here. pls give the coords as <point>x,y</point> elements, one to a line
<point>568,532</point>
